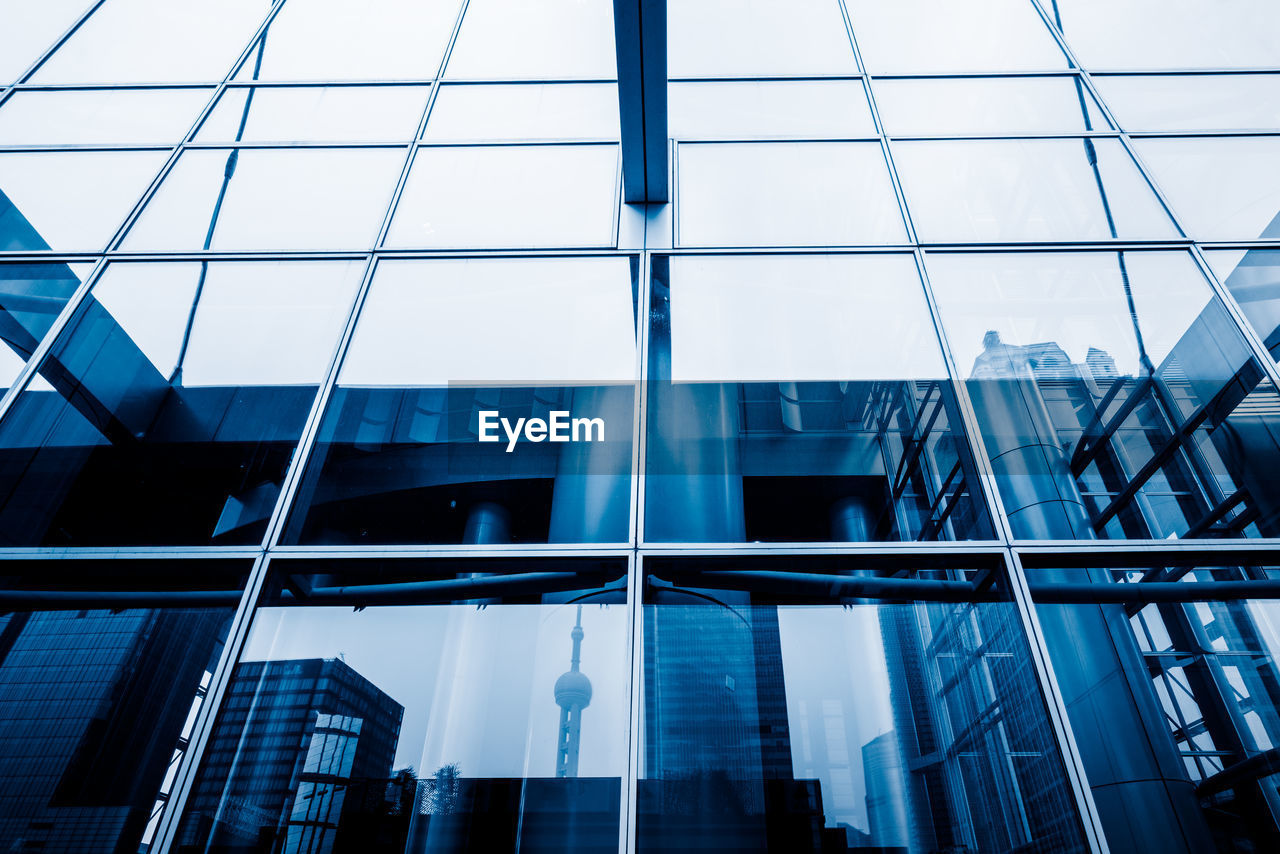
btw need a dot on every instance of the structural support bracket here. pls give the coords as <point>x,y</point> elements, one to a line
<point>640,34</point>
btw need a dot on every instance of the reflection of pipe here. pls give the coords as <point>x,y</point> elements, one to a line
<point>693,475</point>
<point>844,586</point>
<point>1158,591</point>
<point>475,586</point>
<point>487,523</point>
<point>591,499</point>
<point>852,520</point>
<point>789,401</point>
<point>1031,470</point>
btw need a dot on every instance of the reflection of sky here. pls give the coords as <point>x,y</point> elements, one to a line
<point>1076,300</point>
<point>802,317</point>
<point>476,684</point>
<point>837,700</point>
<point>258,324</point>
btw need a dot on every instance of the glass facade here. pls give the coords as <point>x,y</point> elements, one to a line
<point>380,471</point>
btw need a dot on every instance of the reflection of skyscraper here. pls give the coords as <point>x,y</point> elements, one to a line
<point>306,730</point>
<point>573,694</point>
<point>965,769</point>
<point>92,707</point>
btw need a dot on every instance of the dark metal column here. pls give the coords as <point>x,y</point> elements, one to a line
<point>640,32</point>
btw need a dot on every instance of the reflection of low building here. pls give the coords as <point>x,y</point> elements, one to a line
<point>316,741</point>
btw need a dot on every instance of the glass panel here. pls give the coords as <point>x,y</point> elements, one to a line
<point>792,109</point>
<point>340,40</point>
<point>509,196</point>
<point>401,455</point>
<point>785,194</point>
<point>31,298</point>
<point>70,200</point>
<point>422,725</point>
<point>941,36</point>
<point>1028,190</point>
<point>315,114</point>
<point>168,412</point>
<point>99,686</point>
<point>30,29</point>
<point>1211,701</point>
<point>517,40</point>
<point>1116,397</point>
<point>529,111</point>
<point>100,116</point>
<point>815,723</point>
<point>1253,277</point>
<point>155,41</point>
<point>751,38</point>
<point>1193,101</point>
<point>1170,34</point>
<point>986,105</point>
<point>821,415</point>
<point>315,198</point>
<point>1224,188</point>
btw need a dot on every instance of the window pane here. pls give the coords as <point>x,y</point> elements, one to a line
<point>796,109</point>
<point>773,724</point>
<point>1193,101</point>
<point>752,38</point>
<point>530,111</point>
<point>446,726</point>
<point>155,41</point>
<point>509,196</point>
<point>986,105</point>
<point>1027,190</point>
<point>70,201</point>
<point>168,411</point>
<point>30,29</point>
<point>317,198</point>
<point>1204,697</point>
<point>939,36</point>
<point>339,40</point>
<point>1116,397</point>
<point>824,415</point>
<point>99,687</point>
<point>1224,188</point>
<point>785,194</point>
<point>1253,277</point>
<point>100,117</point>
<point>315,114</point>
<point>1172,34</point>
<point>31,298</point>
<point>400,457</point>
<point>517,40</point>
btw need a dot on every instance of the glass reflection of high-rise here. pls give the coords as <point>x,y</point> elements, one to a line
<point>935,346</point>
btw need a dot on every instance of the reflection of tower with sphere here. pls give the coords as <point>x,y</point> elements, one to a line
<point>573,694</point>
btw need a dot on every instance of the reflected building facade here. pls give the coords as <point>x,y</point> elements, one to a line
<point>934,344</point>
<point>321,740</point>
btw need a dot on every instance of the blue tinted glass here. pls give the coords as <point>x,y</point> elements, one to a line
<point>400,456</point>
<point>1202,697</point>
<point>414,723</point>
<point>168,411</point>
<point>31,297</point>
<point>1116,397</point>
<point>103,665</point>
<point>780,724</point>
<point>826,415</point>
